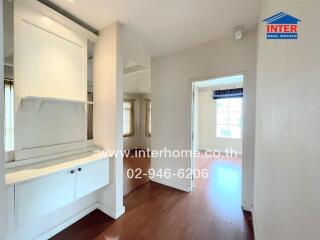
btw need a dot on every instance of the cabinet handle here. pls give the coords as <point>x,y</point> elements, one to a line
<point>72,171</point>
<point>79,169</point>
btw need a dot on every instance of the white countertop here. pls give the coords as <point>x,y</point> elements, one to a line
<point>32,171</point>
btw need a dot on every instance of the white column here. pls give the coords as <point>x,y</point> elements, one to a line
<point>107,112</point>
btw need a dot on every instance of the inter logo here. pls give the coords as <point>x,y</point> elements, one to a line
<point>282,26</point>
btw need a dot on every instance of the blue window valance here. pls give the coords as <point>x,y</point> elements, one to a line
<point>228,93</point>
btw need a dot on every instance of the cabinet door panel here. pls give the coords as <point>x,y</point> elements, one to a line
<point>92,177</point>
<point>50,60</point>
<point>43,195</point>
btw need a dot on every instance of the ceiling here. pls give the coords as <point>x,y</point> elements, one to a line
<point>168,25</point>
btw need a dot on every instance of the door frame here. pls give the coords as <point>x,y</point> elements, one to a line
<point>191,114</point>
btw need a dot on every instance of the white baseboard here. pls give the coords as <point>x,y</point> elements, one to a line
<point>247,207</point>
<point>115,214</point>
<point>255,231</point>
<point>55,230</point>
<point>173,185</point>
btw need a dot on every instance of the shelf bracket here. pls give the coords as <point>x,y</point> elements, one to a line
<point>33,105</point>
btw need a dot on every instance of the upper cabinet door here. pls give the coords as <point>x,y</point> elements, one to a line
<point>91,177</point>
<point>50,60</point>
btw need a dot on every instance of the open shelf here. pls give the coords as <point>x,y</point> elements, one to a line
<point>34,102</point>
<point>51,99</point>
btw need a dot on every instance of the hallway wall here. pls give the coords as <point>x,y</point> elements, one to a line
<point>171,95</point>
<point>287,164</point>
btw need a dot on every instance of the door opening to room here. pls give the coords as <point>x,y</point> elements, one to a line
<point>217,120</point>
<point>136,126</point>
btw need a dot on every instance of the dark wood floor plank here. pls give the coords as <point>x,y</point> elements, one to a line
<point>137,159</point>
<point>87,228</point>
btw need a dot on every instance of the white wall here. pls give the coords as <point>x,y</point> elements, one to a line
<point>139,140</point>
<point>137,52</point>
<point>2,181</point>
<point>108,111</point>
<point>138,82</point>
<point>207,111</point>
<point>171,97</point>
<point>287,167</point>
<point>134,48</point>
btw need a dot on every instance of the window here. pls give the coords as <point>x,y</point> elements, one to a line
<point>128,118</point>
<point>90,117</point>
<point>148,117</point>
<point>229,118</point>
<point>9,116</point>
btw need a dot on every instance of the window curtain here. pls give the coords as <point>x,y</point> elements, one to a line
<point>128,117</point>
<point>9,115</point>
<point>228,93</point>
<point>148,118</point>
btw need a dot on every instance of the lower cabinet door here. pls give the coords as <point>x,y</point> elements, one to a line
<point>91,177</point>
<point>43,195</point>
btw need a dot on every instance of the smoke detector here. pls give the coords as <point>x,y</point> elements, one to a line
<point>238,34</point>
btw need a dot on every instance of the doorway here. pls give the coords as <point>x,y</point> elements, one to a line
<point>216,139</point>
<point>136,126</point>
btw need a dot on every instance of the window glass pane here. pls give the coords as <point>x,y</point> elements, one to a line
<point>222,118</point>
<point>235,131</point>
<point>229,118</point>
<point>148,118</point>
<point>223,131</point>
<point>235,104</point>
<point>127,117</point>
<point>125,127</point>
<point>235,118</point>
<point>9,117</point>
<point>222,105</point>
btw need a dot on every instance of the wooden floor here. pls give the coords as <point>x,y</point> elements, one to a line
<point>154,211</point>
<point>133,162</point>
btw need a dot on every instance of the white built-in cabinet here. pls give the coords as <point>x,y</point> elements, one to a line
<point>50,59</point>
<point>50,121</point>
<point>43,195</point>
<point>91,177</point>
<point>38,197</point>
<point>50,84</point>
